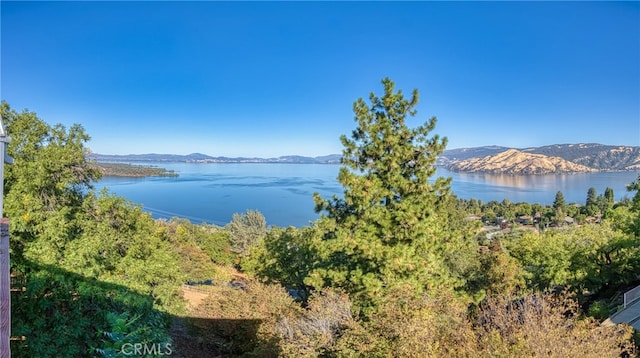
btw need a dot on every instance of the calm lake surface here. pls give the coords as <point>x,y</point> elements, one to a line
<point>283,192</point>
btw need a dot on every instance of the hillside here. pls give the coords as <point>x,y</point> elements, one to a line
<point>513,161</point>
<point>203,158</point>
<point>581,157</point>
<point>458,154</point>
<point>597,156</point>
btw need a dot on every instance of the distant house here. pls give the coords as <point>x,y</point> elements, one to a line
<point>537,217</point>
<point>525,219</point>
<point>593,219</point>
<point>569,220</point>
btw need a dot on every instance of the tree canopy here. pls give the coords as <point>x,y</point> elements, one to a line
<point>393,225</point>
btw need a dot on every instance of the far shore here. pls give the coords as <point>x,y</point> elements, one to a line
<point>133,170</point>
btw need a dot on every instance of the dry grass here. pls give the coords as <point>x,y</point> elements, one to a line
<point>262,320</point>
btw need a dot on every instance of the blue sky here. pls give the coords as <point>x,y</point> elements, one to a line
<point>278,78</point>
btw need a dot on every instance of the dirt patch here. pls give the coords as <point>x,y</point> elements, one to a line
<point>185,344</point>
<point>193,295</point>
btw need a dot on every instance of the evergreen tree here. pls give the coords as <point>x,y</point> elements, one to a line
<point>634,225</point>
<point>246,230</point>
<point>591,196</point>
<point>609,197</point>
<point>607,202</point>
<point>560,208</point>
<point>393,226</point>
<point>591,206</point>
<point>635,186</point>
<point>559,203</point>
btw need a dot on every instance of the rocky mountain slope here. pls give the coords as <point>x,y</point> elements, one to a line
<point>513,161</point>
<point>559,158</point>
<point>597,156</point>
<point>457,154</point>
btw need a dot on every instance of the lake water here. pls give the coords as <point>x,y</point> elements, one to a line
<point>283,192</point>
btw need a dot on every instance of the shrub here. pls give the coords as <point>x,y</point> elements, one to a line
<point>546,325</point>
<point>317,329</point>
<point>243,320</point>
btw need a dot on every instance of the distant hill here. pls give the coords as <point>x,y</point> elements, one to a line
<point>513,161</point>
<point>203,158</point>
<point>451,155</point>
<point>597,156</point>
<point>560,158</point>
<point>148,157</point>
<point>475,152</point>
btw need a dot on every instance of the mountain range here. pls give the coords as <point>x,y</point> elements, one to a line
<point>203,158</point>
<point>558,158</point>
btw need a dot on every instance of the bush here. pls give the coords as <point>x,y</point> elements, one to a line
<point>243,320</point>
<point>546,325</point>
<point>409,325</point>
<point>317,329</point>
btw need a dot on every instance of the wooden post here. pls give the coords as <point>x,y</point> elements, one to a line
<point>5,290</point>
<point>5,267</point>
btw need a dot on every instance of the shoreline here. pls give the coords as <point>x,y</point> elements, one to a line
<point>125,170</point>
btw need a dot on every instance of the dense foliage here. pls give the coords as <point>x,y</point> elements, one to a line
<point>88,261</point>
<point>397,266</point>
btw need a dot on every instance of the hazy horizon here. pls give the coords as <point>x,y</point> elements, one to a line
<point>336,153</point>
<point>269,79</point>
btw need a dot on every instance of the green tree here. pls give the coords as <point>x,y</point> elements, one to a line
<point>559,202</point>
<point>606,202</point>
<point>573,210</point>
<point>609,197</point>
<point>47,183</point>
<point>589,258</point>
<point>285,256</point>
<point>591,196</point>
<point>508,210</point>
<point>635,186</point>
<point>246,230</point>
<point>489,217</point>
<point>591,205</point>
<point>544,257</point>
<point>524,209</point>
<point>537,209</point>
<point>393,226</point>
<point>560,208</point>
<point>634,225</point>
<point>209,240</point>
<point>79,255</point>
<point>474,206</point>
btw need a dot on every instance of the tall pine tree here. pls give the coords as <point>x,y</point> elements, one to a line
<point>591,206</point>
<point>559,208</point>
<point>393,226</point>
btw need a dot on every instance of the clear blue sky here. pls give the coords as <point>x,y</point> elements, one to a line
<point>278,78</point>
